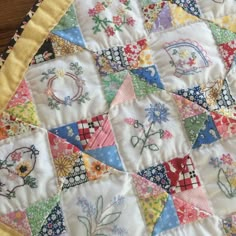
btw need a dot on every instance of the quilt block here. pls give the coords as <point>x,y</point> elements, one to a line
<point>119,119</point>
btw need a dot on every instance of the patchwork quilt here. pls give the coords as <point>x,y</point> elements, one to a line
<point>118,118</point>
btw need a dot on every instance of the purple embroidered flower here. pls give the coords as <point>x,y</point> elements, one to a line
<point>157,113</point>
<point>215,161</point>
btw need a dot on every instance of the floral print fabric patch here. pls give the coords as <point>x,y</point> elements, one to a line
<point>124,123</point>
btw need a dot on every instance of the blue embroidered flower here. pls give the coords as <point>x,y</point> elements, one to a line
<point>157,113</point>
<point>215,161</point>
<point>67,101</point>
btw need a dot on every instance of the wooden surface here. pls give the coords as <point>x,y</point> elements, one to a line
<point>12,13</point>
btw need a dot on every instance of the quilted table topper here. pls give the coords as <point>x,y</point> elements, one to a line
<point>118,118</point>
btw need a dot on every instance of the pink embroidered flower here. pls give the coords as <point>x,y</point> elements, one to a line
<point>227,159</point>
<point>109,31</point>
<point>117,20</point>
<point>130,21</point>
<point>92,12</point>
<point>167,135</point>
<point>16,156</point>
<point>99,7</point>
<point>124,1</point>
<point>191,62</point>
<point>129,121</point>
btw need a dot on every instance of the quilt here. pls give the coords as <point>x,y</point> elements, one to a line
<point>118,118</point>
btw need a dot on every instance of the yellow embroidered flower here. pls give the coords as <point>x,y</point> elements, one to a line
<point>60,73</point>
<point>23,168</point>
<point>183,53</point>
<point>233,182</point>
<point>63,166</point>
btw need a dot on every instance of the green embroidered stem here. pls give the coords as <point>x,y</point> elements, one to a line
<point>135,139</point>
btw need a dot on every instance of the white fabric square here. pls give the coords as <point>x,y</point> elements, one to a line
<point>148,131</point>
<point>216,164</point>
<point>110,23</point>
<point>214,9</point>
<point>185,58</point>
<point>27,172</point>
<point>66,90</point>
<point>103,206</point>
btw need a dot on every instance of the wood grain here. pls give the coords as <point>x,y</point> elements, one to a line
<point>12,13</point>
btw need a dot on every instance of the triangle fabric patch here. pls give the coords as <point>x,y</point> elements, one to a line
<point>227,51</point>
<point>54,224</point>
<point>25,112</point>
<point>150,74</point>
<point>208,133</point>
<point>180,16</point>
<point>72,35</point>
<point>62,47</point>
<point>151,13</point>
<point>227,22</point>
<point>38,212</point>
<point>182,175</point>
<point>111,84</point>
<point>18,221</point>
<point>69,20</point>
<point>189,6</point>
<point>94,168</point>
<point>187,108</point>
<point>64,154</point>
<point>77,175</point>
<point>196,197</point>
<point>188,213</point>
<point>193,125</point>
<point>152,208</point>
<point>70,133</point>
<point>7,231</point>
<point>145,188</point>
<point>141,87</point>
<point>221,35</point>
<point>12,126</point>
<point>108,155</point>
<point>125,93</point>
<point>164,20</point>
<point>21,96</point>
<point>88,127</point>
<point>168,219</point>
<point>226,126</point>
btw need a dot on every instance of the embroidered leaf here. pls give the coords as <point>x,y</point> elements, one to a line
<point>99,208</point>
<point>153,147</point>
<point>135,140</point>
<point>224,184</point>
<point>84,98</point>
<point>46,75</point>
<point>53,104</point>
<point>110,218</point>
<point>31,181</point>
<point>85,221</point>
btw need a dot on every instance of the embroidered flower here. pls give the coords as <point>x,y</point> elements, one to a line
<point>130,21</point>
<point>167,135</point>
<point>157,113</point>
<point>117,20</point>
<point>215,162</point>
<point>99,7</point>
<point>63,166</point>
<point>129,121</point>
<point>92,12</point>
<point>68,101</point>
<point>109,31</point>
<point>227,159</point>
<point>16,156</point>
<point>24,168</point>
<point>124,1</point>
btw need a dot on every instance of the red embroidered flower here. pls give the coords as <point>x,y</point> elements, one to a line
<point>117,20</point>
<point>130,21</point>
<point>124,1</point>
<point>191,61</point>
<point>16,156</point>
<point>92,12</point>
<point>99,7</point>
<point>227,159</point>
<point>109,31</point>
